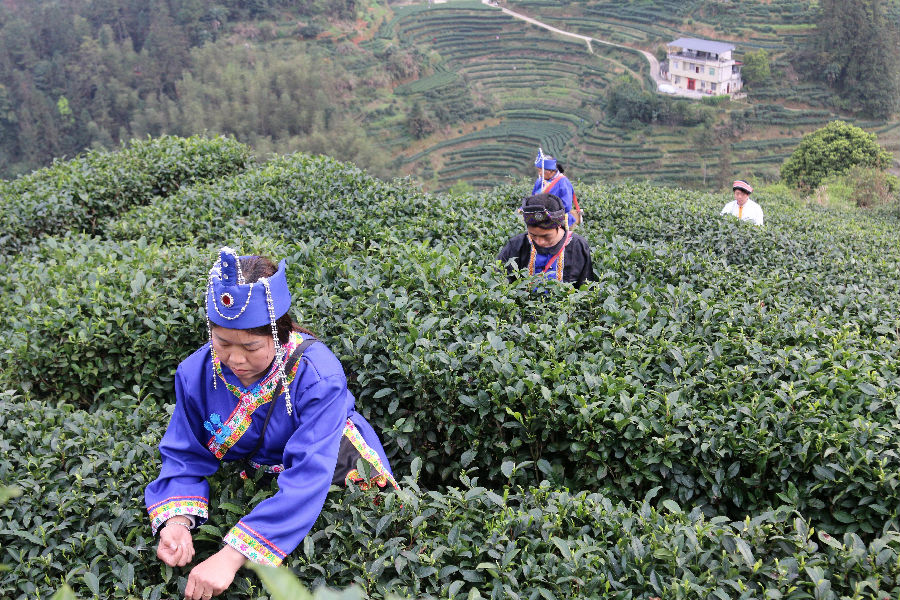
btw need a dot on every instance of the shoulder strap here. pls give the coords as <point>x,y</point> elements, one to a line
<point>552,182</point>
<point>558,254</point>
<point>292,360</point>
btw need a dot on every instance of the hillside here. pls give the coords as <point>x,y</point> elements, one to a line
<point>551,91</point>
<point>716,417</point>
<point>447,93</point>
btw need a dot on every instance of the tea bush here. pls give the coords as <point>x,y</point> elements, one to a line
<point>301,197</point>
<point>415,320</point>
<point>90,316</point>
<point>648,384</point>
<point>715,371</point>
<point>78,194</point>
<point>81,521</point>
<point>686,366</point>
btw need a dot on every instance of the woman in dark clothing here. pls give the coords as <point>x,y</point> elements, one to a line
<point>548,247</point>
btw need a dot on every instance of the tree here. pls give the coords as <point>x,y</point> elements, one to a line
<point>662,53</point>
<point>832,150</point>
<point>756,67</point>
<point>870,187</point>
<point>855,52</point>
<point>626,101</point>
<point>166,52</point>
<point>419,123</point>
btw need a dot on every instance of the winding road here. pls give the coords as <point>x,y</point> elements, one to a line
<point>654,63</point>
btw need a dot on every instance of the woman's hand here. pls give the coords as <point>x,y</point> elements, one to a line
<point>214,575</point>
<point>176,546</point>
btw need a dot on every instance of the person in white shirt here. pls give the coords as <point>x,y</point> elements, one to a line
<point>742,206</point>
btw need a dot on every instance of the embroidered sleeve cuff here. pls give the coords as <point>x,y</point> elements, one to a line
<point>196,506</point>
<point>254,546</point>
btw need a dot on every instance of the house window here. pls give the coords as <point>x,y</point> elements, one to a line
<point>712,70</point>
<point>696,69</point>
<point>677,79</point>
<point>712,86</point>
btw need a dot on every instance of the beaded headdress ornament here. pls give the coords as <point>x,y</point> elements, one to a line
<point>540,216</point>
<point>233,303</point>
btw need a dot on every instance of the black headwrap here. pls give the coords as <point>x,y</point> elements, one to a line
<point>544,210</point>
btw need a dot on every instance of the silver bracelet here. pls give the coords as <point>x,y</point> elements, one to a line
<point>182,523</point>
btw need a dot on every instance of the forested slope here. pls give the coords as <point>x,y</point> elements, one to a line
<point>82,73</point>
<point>445,93</point>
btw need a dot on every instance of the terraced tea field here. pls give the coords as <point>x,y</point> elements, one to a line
<point>549,91</point>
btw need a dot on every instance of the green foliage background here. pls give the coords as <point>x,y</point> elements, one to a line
<point>444,92</point>
<point>717,416</point>
<point>833,150</point>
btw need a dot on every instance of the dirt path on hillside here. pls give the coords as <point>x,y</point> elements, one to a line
<point>654,63</point>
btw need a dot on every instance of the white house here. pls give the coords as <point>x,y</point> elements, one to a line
<point>704,66</point>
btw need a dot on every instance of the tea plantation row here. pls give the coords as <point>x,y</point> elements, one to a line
<point>715,371</point>
<point>80,520</point>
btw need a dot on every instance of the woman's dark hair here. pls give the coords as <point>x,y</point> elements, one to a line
<point>560,168</point>
<point>255,268</point>
<point>550,202</point>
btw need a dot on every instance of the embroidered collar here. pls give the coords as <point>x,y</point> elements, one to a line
<point>225,435</point>
<point>267,383</point>
<point>559,258</point>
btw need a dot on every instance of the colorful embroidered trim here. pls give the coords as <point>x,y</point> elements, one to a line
<point>548,185</point>
<point>369,455</point>
<point>240,419</point>
<point>560,256</point>
<point>254,546</point>
<point>267,468</point>
<point>177,505</point>
<point>272,469</point>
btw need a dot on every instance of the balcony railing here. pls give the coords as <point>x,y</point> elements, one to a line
<point>699,56</point>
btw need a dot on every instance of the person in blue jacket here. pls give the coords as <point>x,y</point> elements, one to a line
<point>266,393</point>
<point>552,180</point>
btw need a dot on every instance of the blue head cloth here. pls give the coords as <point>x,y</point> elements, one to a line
<point>548,162</point>
<point>232,303</point>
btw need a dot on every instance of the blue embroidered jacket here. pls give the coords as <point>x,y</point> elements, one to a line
<point>211,424</point>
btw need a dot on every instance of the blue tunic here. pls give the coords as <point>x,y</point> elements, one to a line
<point>541,261</point>
<point>562,189</point>
<point>212,424</point>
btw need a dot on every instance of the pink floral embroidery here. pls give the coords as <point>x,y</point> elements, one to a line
<point>254,546</point>
<point>241,418</point>
<point>177,505</point>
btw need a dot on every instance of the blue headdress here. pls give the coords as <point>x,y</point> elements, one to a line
<point>544,162</point>
<point>233,303</point>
